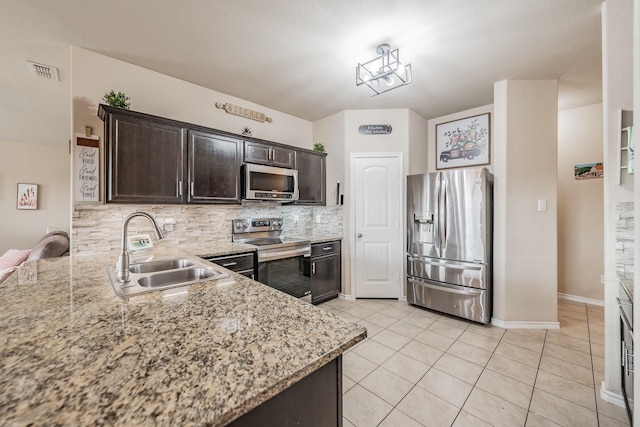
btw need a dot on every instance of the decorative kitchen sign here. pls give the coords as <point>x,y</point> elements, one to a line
<point>244,112</point>
<point>374,129</point>
<point>87,173</point>
<point>464,142</point>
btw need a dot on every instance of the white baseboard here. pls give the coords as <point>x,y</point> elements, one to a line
<point>347,297</point>
<point>611,397</point>
<point>524,325</point>
<point>584,300</point>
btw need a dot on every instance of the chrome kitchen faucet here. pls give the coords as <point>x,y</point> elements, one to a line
<point>122,265</point>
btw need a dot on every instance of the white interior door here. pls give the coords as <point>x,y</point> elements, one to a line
<point>377,198</point>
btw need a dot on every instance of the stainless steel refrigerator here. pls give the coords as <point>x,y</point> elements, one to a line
<point>449,242</point>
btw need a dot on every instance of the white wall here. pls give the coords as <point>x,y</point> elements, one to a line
<point>43,164</point>
<point>580,212</point>
<point>636,139</point>
<point>617,93</point>
<point>330,132</point>
<point>418,144</point>
<point>525,168</point>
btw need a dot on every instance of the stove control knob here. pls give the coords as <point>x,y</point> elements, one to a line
<point>245,225</point>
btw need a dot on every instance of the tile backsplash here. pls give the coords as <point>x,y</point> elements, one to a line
<point>97,229</point>
<point>624,237</point>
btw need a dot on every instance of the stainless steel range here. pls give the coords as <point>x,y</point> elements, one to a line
<point>283,262</point>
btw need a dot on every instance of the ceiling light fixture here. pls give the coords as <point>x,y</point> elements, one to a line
<point>385,72</point>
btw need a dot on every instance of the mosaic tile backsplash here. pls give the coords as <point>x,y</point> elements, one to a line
<point>97,229</point>
<point>624,237</point>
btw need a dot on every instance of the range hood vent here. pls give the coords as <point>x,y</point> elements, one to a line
<point>45,71</point>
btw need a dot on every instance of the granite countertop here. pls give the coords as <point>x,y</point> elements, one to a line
<point>71,353</point>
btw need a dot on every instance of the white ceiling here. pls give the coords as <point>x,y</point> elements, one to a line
<point>299,56</point>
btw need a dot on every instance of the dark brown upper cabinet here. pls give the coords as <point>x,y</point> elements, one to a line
<point>214,168</point>
<point>154,160</point>
<point>312,179</point>
<point>144,158</point>
<point>151,159</point>
<point>268,154</point>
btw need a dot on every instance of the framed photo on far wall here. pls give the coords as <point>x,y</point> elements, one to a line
<point>27,196</point>
<point>464,142</point>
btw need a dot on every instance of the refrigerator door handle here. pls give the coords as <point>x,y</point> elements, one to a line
<point>468,266</point>
<point>460,290</point>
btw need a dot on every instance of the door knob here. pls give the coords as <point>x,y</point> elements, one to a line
<point>359,234</point>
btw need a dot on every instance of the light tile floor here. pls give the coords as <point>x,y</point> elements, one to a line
<point>421,368</point>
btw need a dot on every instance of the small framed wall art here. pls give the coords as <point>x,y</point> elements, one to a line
<point>464,142</point>
<point>27,196</point>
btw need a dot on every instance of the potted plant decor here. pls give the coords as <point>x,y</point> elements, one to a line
<point>119,99</point>
<point>318,147</point>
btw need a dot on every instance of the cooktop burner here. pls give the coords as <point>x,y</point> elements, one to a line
<point>264,233</point>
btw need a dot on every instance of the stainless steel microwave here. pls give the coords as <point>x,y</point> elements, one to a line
<point>262,182</point>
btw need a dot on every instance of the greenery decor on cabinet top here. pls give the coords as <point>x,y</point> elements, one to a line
<point>318,147</point>
<point>119,99</point>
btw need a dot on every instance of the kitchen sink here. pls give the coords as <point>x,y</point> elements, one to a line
<point>186,275</point>
<point>160,265</point>
<point>159,275</point>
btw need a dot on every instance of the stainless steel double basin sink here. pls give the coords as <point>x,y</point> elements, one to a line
<point>164,274</point>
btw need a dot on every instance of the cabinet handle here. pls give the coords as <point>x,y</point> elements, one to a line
<point>313,267</point>
<point>180,188</point>
<point>191,188</point>
<point>271,154</point>
<point>326,248</point>
<point>627,359</point>
<point>229,264</point>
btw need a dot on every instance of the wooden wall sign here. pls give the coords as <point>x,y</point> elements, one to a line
<point>87,168</point>
<point>374,129</point>
<point>244,112</point>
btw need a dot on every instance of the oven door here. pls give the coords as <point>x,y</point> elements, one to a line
<point>289,275</point>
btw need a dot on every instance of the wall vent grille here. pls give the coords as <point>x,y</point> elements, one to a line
<point>45,71</point>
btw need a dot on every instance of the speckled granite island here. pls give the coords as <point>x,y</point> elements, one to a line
<point>73,354</point>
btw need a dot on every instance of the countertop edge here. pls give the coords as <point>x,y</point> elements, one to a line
<point>293,378</point>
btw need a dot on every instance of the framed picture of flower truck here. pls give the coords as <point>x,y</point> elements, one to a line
<point>464,142</point>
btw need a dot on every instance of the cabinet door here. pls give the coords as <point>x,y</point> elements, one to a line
<point>266,154</point>
<point>144,160</point>
<point>214,168</point>
<point>326,278</point>
<point>257,153</point>
<point>283,157</point>
<point>311,178</point>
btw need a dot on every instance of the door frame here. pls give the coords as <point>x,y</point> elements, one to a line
<point>352,218</point>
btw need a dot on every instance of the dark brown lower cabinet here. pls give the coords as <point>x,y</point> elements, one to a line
<point>326,277</point>
<point>315,400</point>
